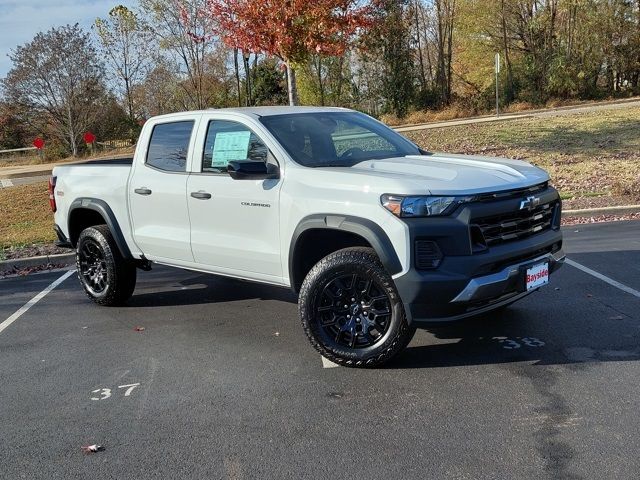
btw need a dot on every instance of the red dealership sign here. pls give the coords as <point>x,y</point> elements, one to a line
<point>38,143</point>
<point>89,137</point>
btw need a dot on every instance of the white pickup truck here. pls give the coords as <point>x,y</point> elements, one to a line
<point>378,236</point>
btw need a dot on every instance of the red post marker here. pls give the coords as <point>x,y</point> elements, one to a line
<point>38,143</point>
<point>89,138</point>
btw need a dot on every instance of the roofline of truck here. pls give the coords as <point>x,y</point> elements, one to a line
<point>254,112</point>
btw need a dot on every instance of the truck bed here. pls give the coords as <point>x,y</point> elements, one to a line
<point>104,179</point>
<point>105,162</point>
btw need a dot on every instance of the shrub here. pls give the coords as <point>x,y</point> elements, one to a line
<point>55,150</point>
<point>516,107</point>
<point>456,110</point>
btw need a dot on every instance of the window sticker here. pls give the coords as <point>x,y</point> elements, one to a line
<point>229,146</point>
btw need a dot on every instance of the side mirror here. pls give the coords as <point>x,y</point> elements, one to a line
<point>252,170</point>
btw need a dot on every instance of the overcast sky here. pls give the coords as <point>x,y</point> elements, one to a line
<point>21,20</point>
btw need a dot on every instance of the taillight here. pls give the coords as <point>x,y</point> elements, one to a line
<point>52,194</point>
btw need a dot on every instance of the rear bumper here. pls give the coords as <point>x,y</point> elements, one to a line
<point>467,285</point>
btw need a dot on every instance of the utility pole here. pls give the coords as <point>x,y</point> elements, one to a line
<point>245,57</point>
<point>497,68</point>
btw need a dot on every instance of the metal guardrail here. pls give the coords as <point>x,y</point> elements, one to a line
<point>20,153</point>
<point>13,150</point>
<point>17,154</point>
<point>116,143</point>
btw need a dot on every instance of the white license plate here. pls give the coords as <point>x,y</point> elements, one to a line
<point>537,276</point>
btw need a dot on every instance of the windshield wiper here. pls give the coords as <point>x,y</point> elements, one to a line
<point>339,165</point>
<point>355,161</point>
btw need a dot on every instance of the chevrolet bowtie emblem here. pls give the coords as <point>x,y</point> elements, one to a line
<point>529,203</point>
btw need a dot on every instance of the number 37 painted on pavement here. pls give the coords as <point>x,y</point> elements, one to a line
<point>106,392</point>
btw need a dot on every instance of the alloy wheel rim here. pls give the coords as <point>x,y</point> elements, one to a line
<point>93,267</point>
<point>354,311</point>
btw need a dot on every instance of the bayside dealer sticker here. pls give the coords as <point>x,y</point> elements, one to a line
<point>537,276</point>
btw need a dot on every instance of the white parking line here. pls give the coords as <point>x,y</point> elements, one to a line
<point>34,300</point>
<point>5,182</point>
<point>326,363</point>
<point>604,278</point>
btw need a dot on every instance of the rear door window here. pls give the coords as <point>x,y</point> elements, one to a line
<point>169,146</point>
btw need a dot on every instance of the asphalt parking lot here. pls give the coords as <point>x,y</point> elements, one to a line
<point>13,182</point>
<point>222,383</point>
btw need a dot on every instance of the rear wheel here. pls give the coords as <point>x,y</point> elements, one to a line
<point>351,311</point>
<point>107,278</point>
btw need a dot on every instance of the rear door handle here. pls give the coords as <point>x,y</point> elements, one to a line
<point>201,195</point>
<point>143,191</point>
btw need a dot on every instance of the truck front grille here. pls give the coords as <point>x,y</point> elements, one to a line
<point>511,226</point>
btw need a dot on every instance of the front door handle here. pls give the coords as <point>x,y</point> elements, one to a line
<point>201,195</point>
<point>143,191</point>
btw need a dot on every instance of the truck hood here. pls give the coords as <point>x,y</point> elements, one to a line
<point>445,174</point>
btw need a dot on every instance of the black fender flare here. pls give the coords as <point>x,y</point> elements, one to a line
<point>365,228</point>
<point>101,207</point>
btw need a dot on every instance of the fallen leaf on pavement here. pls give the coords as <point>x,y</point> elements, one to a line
<point>92,449</point>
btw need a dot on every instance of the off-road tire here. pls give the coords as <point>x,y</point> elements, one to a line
<point>365,263</point>
<point>120,274</point>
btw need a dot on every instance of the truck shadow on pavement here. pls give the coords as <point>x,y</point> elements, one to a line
<point>545,329</point>
<point>204,289</point>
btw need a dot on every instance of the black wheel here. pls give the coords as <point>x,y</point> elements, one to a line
<point>351,311</point>
<point>107,278</point>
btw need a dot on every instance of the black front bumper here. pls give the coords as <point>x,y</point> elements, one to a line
<point>471,281</point>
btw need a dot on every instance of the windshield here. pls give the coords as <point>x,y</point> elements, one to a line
<point>336,139</point>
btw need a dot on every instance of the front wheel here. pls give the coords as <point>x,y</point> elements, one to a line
<point>107,278</point>
<point>351,311</point>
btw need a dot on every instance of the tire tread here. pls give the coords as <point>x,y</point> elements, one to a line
<point>124,278</point>
<point>367,258</point>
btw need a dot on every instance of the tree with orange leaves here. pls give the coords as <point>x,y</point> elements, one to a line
<point>291,29</point>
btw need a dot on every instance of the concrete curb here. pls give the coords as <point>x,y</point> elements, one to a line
<point>594,212</point>
<point>70,258</point>
<point>20,263</point>
<point>461,122</point>
<point>28,174</point>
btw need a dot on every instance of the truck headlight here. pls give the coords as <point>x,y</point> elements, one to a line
<point>421,206</point>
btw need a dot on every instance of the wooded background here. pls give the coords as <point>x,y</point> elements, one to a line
<point>389,58</point>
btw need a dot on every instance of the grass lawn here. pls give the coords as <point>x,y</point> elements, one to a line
<point>587,154</point>
<point>25,217</point>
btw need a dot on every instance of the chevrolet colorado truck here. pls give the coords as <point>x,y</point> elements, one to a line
<point>377,236</point>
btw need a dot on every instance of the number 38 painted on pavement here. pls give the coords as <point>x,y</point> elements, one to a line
<point>510,344</point>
